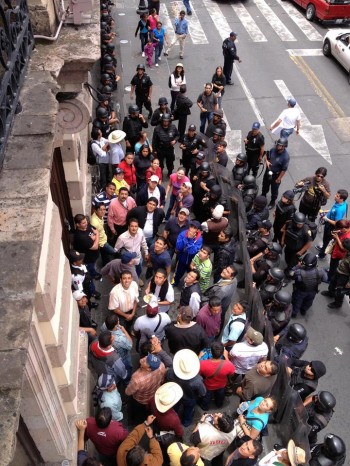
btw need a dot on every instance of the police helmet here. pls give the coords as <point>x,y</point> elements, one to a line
<point>103,6</point>
<point>101,113</point>
<point>107,59</point>
<point>218,132</point>
<point>309,260</point>
<point>249,181</point>
<point>141,66</point>
<point>296,333</point>
<point>274,247</point>
<point>97,124</point>
<point>162,101</point>
<point>110,47</point>
<point>298,218</point>
<point>104,16</point>
<point>215,190</point>
<point>105,36</point>
<point>334,446</point>
<point>292,102</point>
<point>165,117</point>
<point>326,401</point>
<point>105,77</point>
<point>282,142</point>
<point>103,25</point>
<point>134,109</point>
<point>204,167</point>
<point>106,90</point>
<point>242,157</point>
<point>282,297</point>
<point>276,273</point>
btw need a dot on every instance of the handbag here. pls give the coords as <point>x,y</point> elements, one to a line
<point>330,247</point>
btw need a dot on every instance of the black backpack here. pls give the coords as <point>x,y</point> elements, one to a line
<point>244,331</point>
<point>91,157</point>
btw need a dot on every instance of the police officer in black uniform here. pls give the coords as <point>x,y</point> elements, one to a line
<point>271,285</point>
<point>258,213</point>
<point>210,152</point>
<point>332,452</point>
<point>258,241</point>
<point>132,126</point>
<point>264,261</point>
<point>192,144</point>
<point>291,343</point>
<point>320,409</point>
<point>284,211</point>
<point>164,139</point>
<point>163,108</point>
<point>142,85</point>
<point>306,278</point>
<point>297,239</point>
<point>249,191</point>
<point>102,122</point>
<point>240,169</point>
<point>229,51</point>
<point>279,311</point>
<point>254,148</point>
<point>210,200</point>
<point>216,122</point>
<point>277,161</point>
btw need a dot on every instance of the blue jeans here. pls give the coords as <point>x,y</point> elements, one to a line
<point>187,406</point>
<point>158,51</point>
<point>187,5</point>
<point>171,205</point>
<point>106,252</point>
<point>181,269</point>
<point>144,39</point>
<point>138,268</point>
<point>219,396</point>
<point>92,271</point>
<point>285,133</point>
<point>204,117</point>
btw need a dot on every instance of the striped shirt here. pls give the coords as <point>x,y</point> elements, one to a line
<point>204,268</point>
<point>143,384</point>
<point>102,198</point>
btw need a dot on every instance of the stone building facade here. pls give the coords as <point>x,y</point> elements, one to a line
<point>43,184</point>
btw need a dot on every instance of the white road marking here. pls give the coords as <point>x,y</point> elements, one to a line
<point>250,98</point>
<point>218,18</point>
<point>300,20</point>
<point>276,24</point>
<point>338,351</point>
<point>196,32</point>
<point>248,22</point>
<point>233,139</point>
<point>305,52</point>
<point>167,23</point>
<point>312,134</point>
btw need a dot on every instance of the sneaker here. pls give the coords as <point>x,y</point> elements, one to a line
<point>334,305</point>
<point>98,276</point>
<point>321,256</point>
<point>271,205</point>
<point>189,13</point>
<point>172,281</point>
<point>141,283</point>
<point>181,56</point>
<point>160,58</point>
<point>157,64</point>
<point>96,295</point>
<point>165,54</point>
<point>143,54</point>
<point>94,305</point>
<point>327,293</point>
<point>319,248</point>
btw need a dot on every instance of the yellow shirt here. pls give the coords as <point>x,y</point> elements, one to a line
<point>175,453</point>
<point>97,222</point>
<point>119,184</point>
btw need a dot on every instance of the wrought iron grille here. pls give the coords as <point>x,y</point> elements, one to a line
<point>16,44</point>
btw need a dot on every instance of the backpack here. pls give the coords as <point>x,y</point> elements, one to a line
<point>246,325</point>
<point>91,157</point>
<point>169,82</point>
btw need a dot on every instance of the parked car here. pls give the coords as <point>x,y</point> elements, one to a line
<point>337,43</point>
<point>327,11</point>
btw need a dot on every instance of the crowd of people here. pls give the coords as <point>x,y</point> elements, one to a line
<point>176,232</point>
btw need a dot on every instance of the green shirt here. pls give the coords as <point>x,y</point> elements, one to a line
<point>204,268</point>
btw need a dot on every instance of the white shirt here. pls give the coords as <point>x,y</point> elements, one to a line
<point>123,299</point>
<point>156,194</point>
<point>148,228</point>
<point>244,356</point>
<point>116,153</point>
<point>101,155</point>
<point>289,117</point>
<point>271,458</point>
<point>147,325</point>
<point>168,297</point>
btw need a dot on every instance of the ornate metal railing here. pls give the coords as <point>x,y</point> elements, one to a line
<point>16,44</point>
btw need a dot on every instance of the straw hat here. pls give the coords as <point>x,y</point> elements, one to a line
<point>116,136</point>
<point>296,455</point>
<point>167,396</point>
<point>186,364</point>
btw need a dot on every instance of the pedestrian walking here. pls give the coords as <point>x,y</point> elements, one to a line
<point>229,50</point>
<point>207,103</point>
<point>142,86</point>
<point>289,119</point>
<point>219,82</point>
<point>177,78</point>
<point>181,31</point>
<point>142,26</point>
<point>159,37</point>
<point>149,51</point>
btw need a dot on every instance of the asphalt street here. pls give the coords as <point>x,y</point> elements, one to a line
<point>281,56</point>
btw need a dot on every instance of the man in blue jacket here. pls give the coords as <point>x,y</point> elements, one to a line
<point>188,244</point>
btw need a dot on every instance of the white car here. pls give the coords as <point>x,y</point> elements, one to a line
<point>337,43</point>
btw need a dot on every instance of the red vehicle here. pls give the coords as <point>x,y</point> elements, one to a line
<point>327,11</point>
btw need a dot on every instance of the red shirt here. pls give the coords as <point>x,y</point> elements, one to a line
<point>166,421</point>
<point>208,367</point>
<point>130,172</point>
<point>150,172</point>
<point>106,440</point>
<point>337,253</point>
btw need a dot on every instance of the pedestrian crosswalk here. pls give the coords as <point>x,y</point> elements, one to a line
<point>248,14</point>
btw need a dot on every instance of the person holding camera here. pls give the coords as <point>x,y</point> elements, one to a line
<point>316,194</point>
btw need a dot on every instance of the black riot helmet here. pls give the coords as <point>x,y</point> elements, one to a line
<point>296,333</point>
<point>204,167</point>
<point>249,181</point>
<point>102,113</point>
<point>282,142</point>
<point>165,117</point>
<point>218,132</point>
<point>107,59</point>
<point>215,191</point>
<point>134,109</point>
<point>282,297</point>
<point>242,157</point>
<point>274,247</point>
<point>333,446</point>
<point>325,401</point>
<point>97,124</point>
<point>309,260</point>
<point>107,90</point>
<point>105,77</point>
<point>298,217</point>
<point>276,273</point>
<point>141,66</point>
<point>162,101</point>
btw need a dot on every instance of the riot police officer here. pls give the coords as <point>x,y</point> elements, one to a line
<point>102,121</point>
<point>284,211</point>
<point>332,452</point>
<point>258,241</point>
<point>292,342</point>
<point>320,409</point>
<point>164,139</point>
<point>279,311</point>
<point>190,146</point>
<point>304,376</point>
<point>142,85</point>
<point>297,239</point>
<point>218,135</point>
<point>254,148</point>
<point>201,185</point>
<point>307,277</point>
<point>216,122</point>
<point>210,200</point>
<point>271,285</point>
<point>277,161</point>
<point>132,125</point>
<point>258,213</point>
<point>249,191</point>
<point>263,262</point>
<point>240,169</point>
<point>158,112</point>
